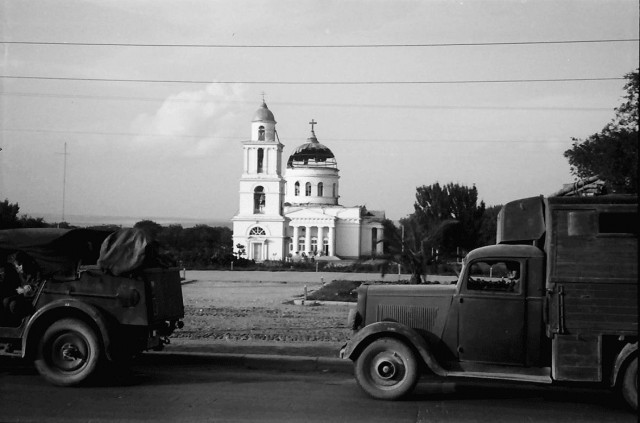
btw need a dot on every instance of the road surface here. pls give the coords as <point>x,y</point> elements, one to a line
<point>168,388</point>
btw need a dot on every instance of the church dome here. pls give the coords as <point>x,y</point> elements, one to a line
<point>312,154</point>
<point>263,114</point>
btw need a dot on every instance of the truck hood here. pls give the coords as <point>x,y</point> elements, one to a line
<point>423,308</point>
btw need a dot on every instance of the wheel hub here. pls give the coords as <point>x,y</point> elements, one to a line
<point>386,369</point>
<point>70,352</point>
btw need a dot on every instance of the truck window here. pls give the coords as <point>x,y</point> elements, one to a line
<point>494,275</point>
<point>618,223</point>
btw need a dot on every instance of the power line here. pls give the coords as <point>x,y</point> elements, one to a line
<point>505,43</point>
<point>303,104</point>
<point>175,81</point>
<point>290,140</point>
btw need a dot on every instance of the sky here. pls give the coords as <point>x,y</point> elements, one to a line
<point>153,98</point>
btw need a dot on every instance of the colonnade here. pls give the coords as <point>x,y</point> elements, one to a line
<point>320,237</point>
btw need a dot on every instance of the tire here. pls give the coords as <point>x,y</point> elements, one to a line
<point>68,353</point>
<point>629,386</point>
<point>387,369</point>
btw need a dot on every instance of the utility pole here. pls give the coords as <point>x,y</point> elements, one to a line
<point>64,181</point>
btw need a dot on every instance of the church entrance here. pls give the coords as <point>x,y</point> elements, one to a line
<point>256,251</point>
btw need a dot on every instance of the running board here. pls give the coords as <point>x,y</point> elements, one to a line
<point>503,376</point>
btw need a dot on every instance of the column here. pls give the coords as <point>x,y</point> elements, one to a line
<point>296,235</point>
<point>246,159</point>
<point>307,239</point>
<point>332,241</point>
<point>320,238</point>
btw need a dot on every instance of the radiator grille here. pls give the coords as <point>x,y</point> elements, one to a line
<point>413,316</point>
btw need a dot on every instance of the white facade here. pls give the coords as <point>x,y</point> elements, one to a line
<point>298,214</point>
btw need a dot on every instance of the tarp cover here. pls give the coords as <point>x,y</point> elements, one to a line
<point>124,251</point>
<point>56,251</point>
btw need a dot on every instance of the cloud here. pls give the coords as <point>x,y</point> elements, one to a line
<point>191,123</point>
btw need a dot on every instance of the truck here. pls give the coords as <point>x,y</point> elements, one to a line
<point>76,300</point>
<point>555,301</point>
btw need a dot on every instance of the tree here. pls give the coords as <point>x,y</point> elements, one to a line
<point>452,202</point>
<point>489,226</point>
<point>612,153</point>
<point>9,215</point>
<point>420,244</point>
<point>150,228</point>
<point>9,218</point>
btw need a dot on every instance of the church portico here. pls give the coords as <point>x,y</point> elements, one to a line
<point>312,238</point>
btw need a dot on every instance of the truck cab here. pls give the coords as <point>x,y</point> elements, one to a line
<point>511,314</point>
<point>73,300</point>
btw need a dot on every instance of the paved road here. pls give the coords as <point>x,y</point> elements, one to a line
<point>166,388</point>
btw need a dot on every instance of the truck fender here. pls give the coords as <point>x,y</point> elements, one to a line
<point>625,353</point>
<point>66,308</point>
<point>395,330</point>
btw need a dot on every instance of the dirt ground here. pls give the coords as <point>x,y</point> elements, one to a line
<point>233,311</point>
<point>258,306</point>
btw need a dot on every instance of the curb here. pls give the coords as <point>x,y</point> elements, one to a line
<point>267,361</point>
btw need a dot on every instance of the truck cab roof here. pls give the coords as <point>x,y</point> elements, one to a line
<point>506,251</point>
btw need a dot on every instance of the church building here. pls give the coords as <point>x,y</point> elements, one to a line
<point>296,214</point>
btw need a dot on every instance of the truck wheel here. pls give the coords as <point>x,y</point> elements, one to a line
<point>68,353</point>
<point>630,384</point>
<point>387,369</point>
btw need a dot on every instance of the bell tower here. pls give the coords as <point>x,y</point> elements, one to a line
<point>259,225</point>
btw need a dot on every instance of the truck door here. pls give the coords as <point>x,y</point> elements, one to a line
<point>492,312</point>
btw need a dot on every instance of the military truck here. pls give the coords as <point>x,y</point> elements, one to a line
<point>554,302</point>
<point>74,300</point>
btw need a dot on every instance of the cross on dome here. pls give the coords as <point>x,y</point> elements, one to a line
<point>312,123</point>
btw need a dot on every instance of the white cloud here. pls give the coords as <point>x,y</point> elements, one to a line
<point>191,123</point>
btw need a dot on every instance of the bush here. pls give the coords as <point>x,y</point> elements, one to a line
<point>339,290</point>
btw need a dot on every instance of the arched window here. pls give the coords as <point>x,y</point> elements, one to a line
<point>297,189</point>
<point>260,159</point>
<point>257,231</point>
<point>258,200</point>
<point>261,133</point>
<point>307,189</point>
<point>334,190</point>
<point>320,189</point>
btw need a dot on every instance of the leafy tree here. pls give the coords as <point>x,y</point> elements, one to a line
<point>436,204</point>
<point>420,245</point>
<point>149,227</point>
<point>9,218</point>
<point>612,153</point>
<point>9,215</point>
<point>488,226</point>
